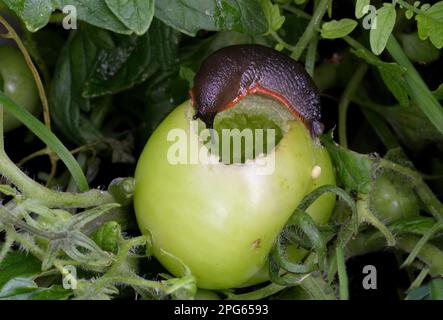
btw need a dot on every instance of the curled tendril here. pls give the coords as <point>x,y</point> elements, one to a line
<point>302,231</point>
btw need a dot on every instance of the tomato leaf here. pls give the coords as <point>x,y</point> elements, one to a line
<point>421,51</point>
<point>415,225</point>
<point>379,34</point>
<point>132,60</point>
<point>436,289</point>
<point>337,29</point>
<point>359,5</point>
<point>162,95</point>
<point>107,236</point>
<point>430,24</point>
<point>438,93</point>
<point>190,16</point>
<point>26,289</point>
<point>136,15</point>
<point>68,106</point>
<point>36,14</point>
<point>412,127</point>
<point>353,169</point>
<point>18,264</point>
<point>273,15</point>
<point>392,75</point>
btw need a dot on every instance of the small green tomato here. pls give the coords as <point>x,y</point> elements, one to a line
<point>392,199</point>
<point>221,220</point>
<point>17,83</point>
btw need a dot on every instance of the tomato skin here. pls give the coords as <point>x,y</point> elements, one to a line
<point>221,220</point>
<point>392,200</point>
<point>17,83</point>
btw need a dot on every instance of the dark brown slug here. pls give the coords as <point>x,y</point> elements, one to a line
<point>232,73</point>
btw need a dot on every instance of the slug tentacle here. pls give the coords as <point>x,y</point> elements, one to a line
<point>232,73</point>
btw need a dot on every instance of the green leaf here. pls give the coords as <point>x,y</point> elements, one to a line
<point>69,108</point>
<point>420,293</point>
<point>107,237</point>
<point>36,14</point>
<point>379,34</point>
<point>409,14</point>
<point>136,15</point>
<point>359,5</point>
<point>417,88</point>
<point>163,93</point>
<point>8,190</point>
<point>416,225</point>
<point>391,73</point>
<point>381,128</point>
<point>96,13</point>
<point>412,127</point>
<point>273,15</point>
<point>436,289</point>
<point>353,169</point>
<point>438,93</point>
<point>430,24</point>
<point>132,60</point>
<point>337,29</point>
<point>421,51</point>
<point>50,139</point>
<point>26,289</point>
<point>190,16</point>
<point>18,264</point>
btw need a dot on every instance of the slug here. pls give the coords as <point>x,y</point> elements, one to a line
<point>232,73</point>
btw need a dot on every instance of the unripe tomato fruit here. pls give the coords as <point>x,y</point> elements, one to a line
<point>392,199</point>
<point>17,83</point>
<point>221,220</point>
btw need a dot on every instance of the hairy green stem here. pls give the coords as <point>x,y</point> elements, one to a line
<point>41,194</point>
<point>418,89</point>
<point>366,215</point>
<point>429,254</point>
<point>45,196</point>
<point>419,280</point>
<point>311,56</point>
<point>426,237</point>
<point>298,12</point>
<point>282,42</point>
<point>345,100</point>
<point>373,241</point>
<point>313,25</point>
<point>6,247</point>
<point>342,275</point>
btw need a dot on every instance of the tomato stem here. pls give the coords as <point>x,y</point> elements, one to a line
<point>342,275</point>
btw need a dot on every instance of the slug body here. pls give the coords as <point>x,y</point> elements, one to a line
<point>232,73</point>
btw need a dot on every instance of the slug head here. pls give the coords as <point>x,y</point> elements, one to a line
<point>207,118</point>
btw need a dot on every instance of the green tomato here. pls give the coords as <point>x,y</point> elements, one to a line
<point>393,199</point>
<point>222,220</point>
<point>17,83</point>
